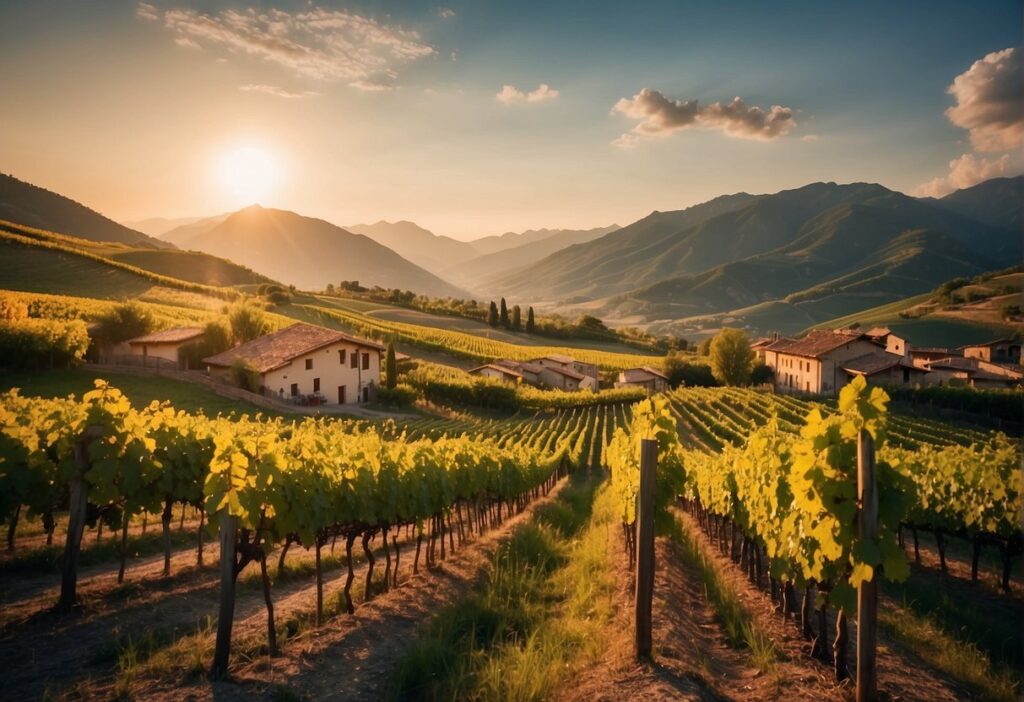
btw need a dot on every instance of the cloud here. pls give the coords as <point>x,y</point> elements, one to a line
<point>990,101</point>
<point>511,95</point>
<point>187,43</point>
<point>331,45</point>
<point>277,91</point>
<point>445,12</point>
<point>964,172</point>
<point>661,116</point>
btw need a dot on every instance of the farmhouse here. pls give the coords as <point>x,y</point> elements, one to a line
<point>973,372</point>
<point>496,370</point>
<point>885,369</point>
<point>164,347</point>
<point>998,351</point>
<point>814,364</point>
<point>651,380</point>
<point>308,363</point>
<point>566,372</point>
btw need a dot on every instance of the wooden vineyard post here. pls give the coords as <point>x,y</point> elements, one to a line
<point>77,501</point>
<point>645,547</point>
<point>226,614</point>
<point>867,593</point>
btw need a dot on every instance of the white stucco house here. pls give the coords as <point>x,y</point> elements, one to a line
<point>305,361</point>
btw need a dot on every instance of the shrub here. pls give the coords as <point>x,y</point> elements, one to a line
<point>32,343</point>
<point>400,396</point>
<point>126,321</point>
<point>761,374</point>
<point>243,375</point>
<point>247,322</point>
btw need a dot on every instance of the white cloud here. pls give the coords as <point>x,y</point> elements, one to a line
<point>445,12</point>
<point>662,116</point>
<point>277,91</point>
<point>990,101</point>
<point>186,43</point>
<point>964,172</point>
<point>510,95</point>
<point>334,45</point>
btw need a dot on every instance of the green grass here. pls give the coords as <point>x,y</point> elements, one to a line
<point>140,390</point>
<point>980,648</point>
<point>740,628</point>
<point>56,272</point>
<point>536,617</point>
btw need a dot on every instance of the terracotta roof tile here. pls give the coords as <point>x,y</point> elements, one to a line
<point>173,335</point>
<point>816,344</point>
<point>275,350</point>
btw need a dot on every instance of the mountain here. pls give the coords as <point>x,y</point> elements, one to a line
<point>556,238</point>
<point>999,202</point>
<point>182,235</point>
<point>24,203</point>
<point>157,226</point>
<point>419,245</point>
<point>311,253</point>
<point>822,225</point>
<point>470,273</point>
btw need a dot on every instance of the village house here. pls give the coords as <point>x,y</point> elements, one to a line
<point>163,348</point>
<point>814,364</point>
<point>972,372</point>
<point>566,372</point>
<point>921,356</point>
<point>885,369</point>
<point>499,372</point>
<point>307,363</point>
<point>883,336</point>
<point>650,379</point>
<point>998,351</point>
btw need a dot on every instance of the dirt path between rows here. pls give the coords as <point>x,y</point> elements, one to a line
<point>350,657</point>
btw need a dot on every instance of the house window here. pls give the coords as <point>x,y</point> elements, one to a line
<point>341,356</point>
<point>355,359</point>
<point>309,364</point>
<point>295,389</point>
<point>366,361</point>
<point>316,384</point>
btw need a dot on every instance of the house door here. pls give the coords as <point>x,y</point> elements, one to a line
<point>341,394</point>
<point>366,394</point>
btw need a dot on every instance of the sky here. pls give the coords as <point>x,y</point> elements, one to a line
<point>474,118</point>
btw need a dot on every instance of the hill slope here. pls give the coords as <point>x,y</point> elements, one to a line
<point>999,202</point>
<point>37,207</point>
<point>310,253</point>
<point>416,244</point>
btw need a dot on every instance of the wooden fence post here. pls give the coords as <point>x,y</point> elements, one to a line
<point>226,615</point>
<point>867,593</point>
<point>645,546</point>
<point>78,497</point>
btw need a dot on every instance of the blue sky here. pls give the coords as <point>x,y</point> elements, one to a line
<point>135,108</point>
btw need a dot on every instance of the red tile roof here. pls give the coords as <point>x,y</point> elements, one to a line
<point>273,351</point>
<point>872,363</point>
<point>641,375</point>
<point>494,366</point>
<point>817,343</point>
<point>174,335</point>
<point>567,372</point>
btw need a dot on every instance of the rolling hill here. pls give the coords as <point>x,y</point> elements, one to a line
<point>158,226</point>
<point>999,202</point>
<point>37,207</point>
<point>772,262</point>
<point>310,253</point>
<point>421,246</point>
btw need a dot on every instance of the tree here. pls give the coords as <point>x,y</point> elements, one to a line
<point>761,374</point>
<point>126,321</point>
<point>681,372</point>
<point>704,348</point>
<point>504,314</point>
<point>492,314</point>
<point>731,357</point>
<point>531,325</point>
<point>247,322</point>
<point>517,318</point>
<point>391,367</point>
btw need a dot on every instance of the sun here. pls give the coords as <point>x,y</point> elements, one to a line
<point>249,174</point>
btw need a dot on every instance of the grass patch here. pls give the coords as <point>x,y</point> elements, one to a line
<point>980,648</point>
<point>535,618</point>
<point>741,630</point>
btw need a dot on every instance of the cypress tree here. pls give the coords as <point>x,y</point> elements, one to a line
<point>492,315</point>
<point>504,314</point>
<point>391,367</point>
<point>530,324</point>
<point>517,318</point>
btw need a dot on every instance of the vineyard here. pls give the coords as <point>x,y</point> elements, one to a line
<point>773,482</point>
<point>264,485</point>
<point>465,345</point>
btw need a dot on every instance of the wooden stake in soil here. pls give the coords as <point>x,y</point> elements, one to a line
<point>645,547</point>
<point>226,615</point>
<point>867,593</point>
<point>77,502</point>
